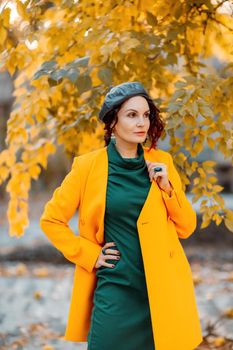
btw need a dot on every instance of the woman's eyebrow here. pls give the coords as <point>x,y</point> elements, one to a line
<point>131,109</point>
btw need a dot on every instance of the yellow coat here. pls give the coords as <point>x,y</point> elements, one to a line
<point>163,220</point>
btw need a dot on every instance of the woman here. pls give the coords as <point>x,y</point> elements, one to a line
<point>133,285</point>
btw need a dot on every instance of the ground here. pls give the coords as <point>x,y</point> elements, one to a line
<point>36,282</point>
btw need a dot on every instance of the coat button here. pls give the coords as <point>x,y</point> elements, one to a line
<point>171,253</point>
<point>82,221</point>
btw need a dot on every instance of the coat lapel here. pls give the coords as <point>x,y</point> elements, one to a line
<point>101,173</point>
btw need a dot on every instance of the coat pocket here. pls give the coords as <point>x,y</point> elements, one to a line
<point>176,249</point>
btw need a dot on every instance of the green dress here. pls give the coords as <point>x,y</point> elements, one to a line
<point>120,316</point>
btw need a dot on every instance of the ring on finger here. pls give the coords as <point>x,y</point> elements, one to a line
<point>157,168</point>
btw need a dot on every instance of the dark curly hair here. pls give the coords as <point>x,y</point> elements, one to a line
<point>156,128</point>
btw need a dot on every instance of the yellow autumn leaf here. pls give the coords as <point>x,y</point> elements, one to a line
<point>209,164</point>
<point>16,228</point>
<point>41,272</point>
<point>37,295</point>
<point>229,224</point>
<point>34,171</point>
<point>21,9</point>
<point>103,47</point>
<point>4,172</point>
<point>229,312</point>
<point>23,205</point>
<point>218,220</point>
<point>212,179</point>
<point>230,277</point>
<point>48,347</point>
<point>211,142</point>
<point>5,16</point>
<point>229,214</point>
<point>3,35</point>
<point>20,269</point>
<point>219,341</point>
<point>217,188</point>
<point>205,223</point>
<point>128,43</point>
<point>197,280</point>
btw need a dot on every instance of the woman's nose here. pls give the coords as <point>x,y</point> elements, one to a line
<point>141,121</point>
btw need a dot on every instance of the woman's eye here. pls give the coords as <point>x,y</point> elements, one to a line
<point>133,114</point>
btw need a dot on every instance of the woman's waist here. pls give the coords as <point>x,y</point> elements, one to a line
<point>129,263</point>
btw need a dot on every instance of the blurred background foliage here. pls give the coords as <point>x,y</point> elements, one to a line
<point>63,56</point>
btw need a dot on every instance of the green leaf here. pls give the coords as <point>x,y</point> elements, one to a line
<point>194,108</point>
<point>173,107</point>
<point>219,200</point>
<point>54,82</point>
<point>204,92</point>
<point>72,74</point>
<point>84,83</point>
<point>180,84</point>
<point>206,111</point>
<point>56,77</point>
<point>171,58</point>
<point>178,11</point>
<point>178,94</point>
<point>46,68</point>
<point>105,74</point>
<point>48,65</point>
<point>190,79</point>
<point>151,19</point>
<point>80,62</point>
<point>59,74</point>
<point>39,74</point>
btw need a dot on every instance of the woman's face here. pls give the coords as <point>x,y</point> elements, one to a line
<point>133,117</point>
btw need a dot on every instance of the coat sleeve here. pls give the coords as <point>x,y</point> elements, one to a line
<point>54,222</point>
<point>178,206</point>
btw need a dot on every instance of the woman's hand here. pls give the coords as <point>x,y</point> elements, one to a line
<point>102,257</point>
<point>160,176</point>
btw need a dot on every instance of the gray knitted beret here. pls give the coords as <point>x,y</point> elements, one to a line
<point>119,94</point>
